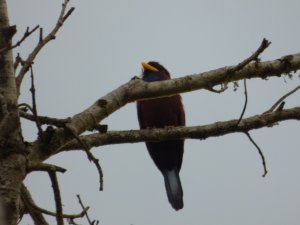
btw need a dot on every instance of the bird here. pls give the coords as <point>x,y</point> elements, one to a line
<point>159,113</point>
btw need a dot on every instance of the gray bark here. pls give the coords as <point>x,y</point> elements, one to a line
<point>15,156</point>
<point>12,159</point>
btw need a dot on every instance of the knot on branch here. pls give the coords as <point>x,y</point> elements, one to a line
<point>102,102</point>
<point>8,32</point>
<point>46,136</point>
<point>286,64</point>
<point>101,128</point>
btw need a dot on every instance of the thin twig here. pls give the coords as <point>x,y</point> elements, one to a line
<point>260,153</point>
<point>43,41</point>
<point>44,167</point>
<point>18,61</point>
<point>280,107</point>
<point>90,156</point>
<point>254,57</point>
<point>245,104</point>
<point>68,14</point>
<point>57,197</point>
<point>264,44</point>
<point>26,35</point>
<point>72,222</point>
<point>41,35</point>
<point>86,214</point>
<point>281,99</point>
<point>30,207</point>
<point>24,107</point>
<point>34,107</point>
<point>36,211</point>
<point>66,216</point>
<point>43,119</point>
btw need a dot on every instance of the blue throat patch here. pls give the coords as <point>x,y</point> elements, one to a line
<point>154,76</point>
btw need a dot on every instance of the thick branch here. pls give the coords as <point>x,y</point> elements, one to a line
<point>137,89</point>
<point>195,132</point>
<point>12,166</point>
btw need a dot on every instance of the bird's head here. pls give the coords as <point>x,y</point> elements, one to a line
<point>153,71</point>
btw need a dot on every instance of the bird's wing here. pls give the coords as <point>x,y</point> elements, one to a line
<point>140,114</point>
<point>181,115</point>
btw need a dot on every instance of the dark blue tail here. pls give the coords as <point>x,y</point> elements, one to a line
<point>173,188</point>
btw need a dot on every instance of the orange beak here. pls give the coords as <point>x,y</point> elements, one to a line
<point>146,66</point>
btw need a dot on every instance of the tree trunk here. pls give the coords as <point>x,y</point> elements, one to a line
<point>12,149</point>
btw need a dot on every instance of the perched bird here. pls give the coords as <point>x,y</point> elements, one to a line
<point>160,113</point>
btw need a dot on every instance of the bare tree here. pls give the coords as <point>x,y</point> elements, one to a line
<point>18,157</point>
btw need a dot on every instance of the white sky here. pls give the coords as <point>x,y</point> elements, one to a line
<point>100,47</point>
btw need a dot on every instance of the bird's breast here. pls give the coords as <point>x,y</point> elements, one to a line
<point>160,112</point>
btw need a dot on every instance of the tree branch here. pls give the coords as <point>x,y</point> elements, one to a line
<point>29,205</point>
<point>66,216</point>
<point>94,222</point>
<point>137,89</point>
<point>260,153</point>
<point>26,34</point>
<point>246,102</point>
<point>58,203</point>
<point>34,107</point>
<point>194,132</point>
<point>37,212</point>
<point>44,167</point>
<point>43,41</point>
<point>45,119</point>
<point>90,156</point>
<point>254,57</point>
<point>279,101</point>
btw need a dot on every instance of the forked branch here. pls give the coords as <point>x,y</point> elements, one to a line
<point>280,100</point>
<point>18,43</point>
<point>64,14</point>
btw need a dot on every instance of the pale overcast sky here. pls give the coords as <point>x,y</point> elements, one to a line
<point>101,46</point>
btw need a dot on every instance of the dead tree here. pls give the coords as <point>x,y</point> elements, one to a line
<point>18,157</point>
